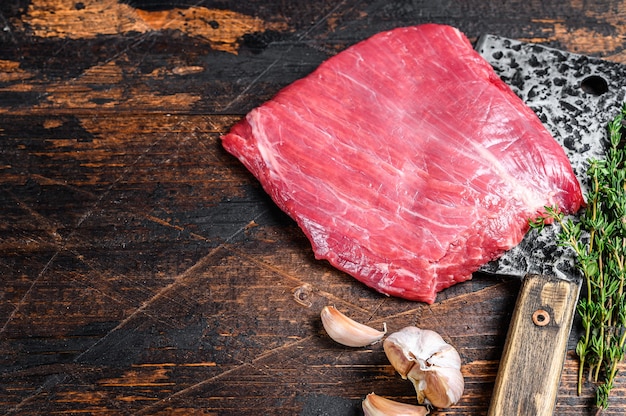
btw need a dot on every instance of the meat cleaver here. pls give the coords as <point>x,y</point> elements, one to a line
<point>575,96</point>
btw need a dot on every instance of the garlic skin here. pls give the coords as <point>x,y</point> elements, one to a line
<point>347,331</point>
<point>375,405</point>
<point>433,365</point>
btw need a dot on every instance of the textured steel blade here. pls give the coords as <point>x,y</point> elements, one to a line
<point>575,96</point>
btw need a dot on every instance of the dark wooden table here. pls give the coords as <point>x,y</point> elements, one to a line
<point>144,271</point>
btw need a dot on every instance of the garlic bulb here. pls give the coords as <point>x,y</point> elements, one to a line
<point>374,405</point>
<point>433,365</point>
<point>347,331</point>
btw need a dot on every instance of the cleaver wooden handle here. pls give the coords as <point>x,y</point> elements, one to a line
<point>534,352</point>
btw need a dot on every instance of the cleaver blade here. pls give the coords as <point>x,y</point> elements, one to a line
<point>575,96</point>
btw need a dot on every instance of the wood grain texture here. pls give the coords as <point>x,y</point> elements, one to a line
<point>144,270</point>
<point>532,360</point>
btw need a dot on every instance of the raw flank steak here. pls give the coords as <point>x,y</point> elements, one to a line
<point>406,161</point>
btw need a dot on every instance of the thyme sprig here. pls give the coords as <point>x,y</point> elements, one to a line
<point>598,239</point>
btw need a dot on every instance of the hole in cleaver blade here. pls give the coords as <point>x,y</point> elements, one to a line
<point>575,96</point>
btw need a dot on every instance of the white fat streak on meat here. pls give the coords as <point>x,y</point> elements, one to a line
<point>384,273</point>
<point>381,226</point>
<point>529,196</point>
<point>344,197</point>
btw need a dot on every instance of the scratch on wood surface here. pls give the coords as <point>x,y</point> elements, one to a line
<point>267,69</point>
<point>200,364</point>
<point>201,383</point>
<point>135,399</point>
<point>176,227</point>
<point>297,279</point>
<point>136,378</point>
<point>86,214</point>
<point>26,295</point>
<point>313,292</point>
<point>50,227</point>
<point>63,19</point>
<point>190,273</point>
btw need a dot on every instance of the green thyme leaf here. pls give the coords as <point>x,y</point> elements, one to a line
<point>601,257</point>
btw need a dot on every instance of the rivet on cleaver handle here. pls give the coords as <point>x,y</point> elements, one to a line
<point>534,351</point>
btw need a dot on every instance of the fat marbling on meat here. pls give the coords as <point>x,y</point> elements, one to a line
<point>406,161</point>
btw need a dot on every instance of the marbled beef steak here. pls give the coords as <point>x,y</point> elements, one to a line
<point>406,161</point>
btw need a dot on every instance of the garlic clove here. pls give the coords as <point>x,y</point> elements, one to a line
<point>375,405</point>
<point>432,365</point>
<point>410,344</point>
<point>395,352</point>
<point>347,331</point>
<point>438,386</point>
<point>446,357</point>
